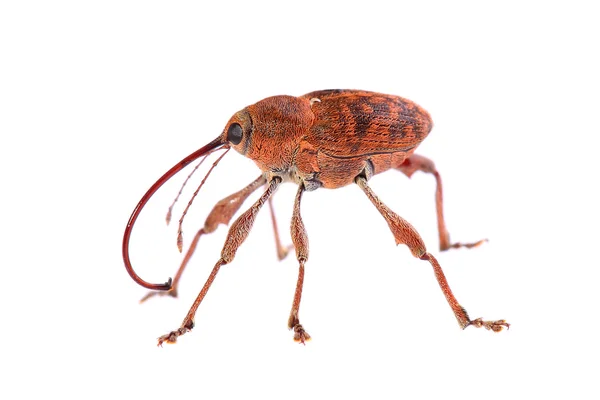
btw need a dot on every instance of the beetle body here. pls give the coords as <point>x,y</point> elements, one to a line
<point>327,138</point>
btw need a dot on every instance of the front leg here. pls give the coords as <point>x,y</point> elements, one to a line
<point>235,237</point>
<point>405,233</point>
<point>221,213</point>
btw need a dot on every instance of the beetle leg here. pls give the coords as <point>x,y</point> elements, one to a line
<point>405,233</point>
<point>300,240</point>
<point>419,163</point>
<point>220,214</point>
<point>282,251</point>
<point>235,237</point>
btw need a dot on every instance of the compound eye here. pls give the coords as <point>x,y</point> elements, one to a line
<point>235,133</point>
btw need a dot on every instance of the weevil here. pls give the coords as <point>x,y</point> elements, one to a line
<point>324,139</point>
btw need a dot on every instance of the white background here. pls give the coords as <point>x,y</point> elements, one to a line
<point>97,100</point>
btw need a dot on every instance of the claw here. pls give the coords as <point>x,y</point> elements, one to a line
<point>172,336</point>
<point>172,293</point>
<point>465,245</point>
<point>300,335</point>
<point>495,326</point>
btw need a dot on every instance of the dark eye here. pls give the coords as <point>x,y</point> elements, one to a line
<point>235,133</point>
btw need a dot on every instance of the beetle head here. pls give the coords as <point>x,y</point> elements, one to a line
<point>269,131</point>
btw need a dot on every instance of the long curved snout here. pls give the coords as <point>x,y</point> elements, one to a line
<point>216,144</point>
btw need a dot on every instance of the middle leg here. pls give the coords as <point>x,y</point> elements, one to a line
<point>300,240</point>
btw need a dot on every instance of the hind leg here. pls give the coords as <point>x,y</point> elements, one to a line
<point>405,233</point>
<point>419,163</point>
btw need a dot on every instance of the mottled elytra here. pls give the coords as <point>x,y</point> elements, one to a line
<point>330,139</point>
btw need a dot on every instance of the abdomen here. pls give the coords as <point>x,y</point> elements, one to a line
<point>356,129</point>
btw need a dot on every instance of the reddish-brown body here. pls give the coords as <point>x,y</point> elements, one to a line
<point>330,139</point>
<point>327,138</point>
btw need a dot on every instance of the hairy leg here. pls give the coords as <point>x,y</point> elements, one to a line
<point>282,251</point>
<point>300,240</point>
<point>419,163</point>
<point>221,213</point>
<point>405,233</point>
<point>236,236</point>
